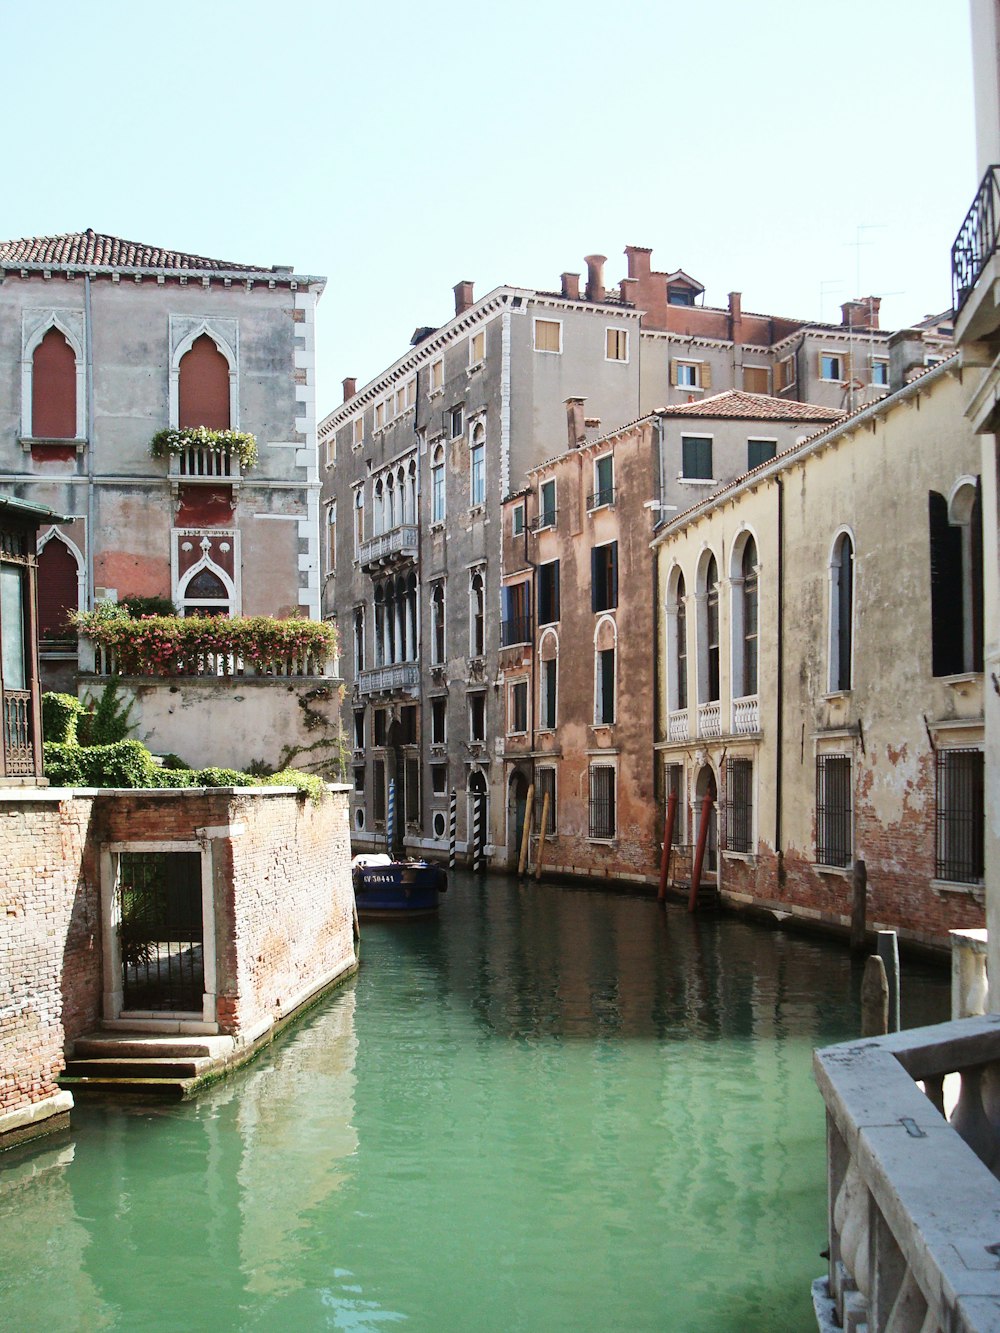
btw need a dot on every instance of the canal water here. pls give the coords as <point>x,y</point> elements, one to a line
<point>550,1109</point>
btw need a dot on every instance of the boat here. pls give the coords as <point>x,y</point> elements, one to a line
<point>384,887</point>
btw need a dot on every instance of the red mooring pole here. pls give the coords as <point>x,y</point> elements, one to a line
<point>699,854</point>
<point>668,841</point>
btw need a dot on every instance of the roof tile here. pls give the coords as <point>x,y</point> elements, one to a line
<point>742,406</point>
<point>93,249</point>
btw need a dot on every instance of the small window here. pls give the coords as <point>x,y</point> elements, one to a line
<point>379,415</point>
<point>359,639</point>
<point>738,806</point>
<point>760,451</point>
<point>517,708</point>
<point>455,421</point>
<point>691,374</point>
<point>439,727</point>
<point>400,400</point>
<point>547,504</point>
<point>616,345</point>
<point>604,482</point>
<point>545,785</point>
<point>784,374</point>
<point>833,810</point>
<point>956,561</point>
<point>677,295</point>
<point>548,335</point>
<point>696,457</point>
<point>408,724</point>
<point>604,577</point>
<point>477,717</point>
<point>602,801</point>
<point>756,379</point>
<point>517,520</point>
<point>880,372</point>
<point>358,432</point>
<point>359,778</point>
<point>359,729</point>
<point>439,779</point>
<point>380,726</point>
<point>515,623</point>
<point>437,376</point>
<point>960,816</point>
<point>831,366</point>
<point>411,392</point>
<point>548,593</point>
<point>477,348</point>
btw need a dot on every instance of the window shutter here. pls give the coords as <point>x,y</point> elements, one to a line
<point>613,573</point>
<point>555,589</point>
<point>673,372</point>
<point>705,376</point>
<point>976,573</point>
<point>946,589</point>
<point>594,572</point>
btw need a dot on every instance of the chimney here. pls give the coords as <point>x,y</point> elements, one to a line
<point>628,290</point>
<point>576,432</point>
<point>350,387</point>
<point>463,297</point>
<point>736,317</point>
<point>595,276</point>
<point>571,286</point>
<point>862,313</point>
<point>639,259</point>
<point>906,355</point>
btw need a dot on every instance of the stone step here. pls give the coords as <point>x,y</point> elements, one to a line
<point>142,1068</point>
<point>163,1089</point>
<point>109,1046</point>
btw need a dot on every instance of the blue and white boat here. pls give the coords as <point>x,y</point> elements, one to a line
<point>387,888</point>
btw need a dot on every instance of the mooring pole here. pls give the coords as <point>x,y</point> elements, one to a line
<point>874,999</point>
<point>699,854</point>
<point>859,907</point>
<point>477,833</point>
<point>529,819</point>
<point>390,822</point>
<point>542,827</point>
<point>888,951</point>
<point>452,826</point>
<point>668,842</point>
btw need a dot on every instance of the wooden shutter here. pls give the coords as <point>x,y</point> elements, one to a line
<point>53,389</point>
<point>673,372</point>
<point>203,389</point>
<point>705,375</point>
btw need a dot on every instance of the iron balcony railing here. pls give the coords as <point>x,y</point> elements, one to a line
<point>400,541</point>
<point>515,630</point>
<point>977,239</point>
<point>605,497</point>
<point>18,744</point>
<point>546,519</point>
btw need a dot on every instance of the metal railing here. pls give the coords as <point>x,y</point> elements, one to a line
<point>517,629</point>
<point>600,498</point>
<point>402,540</point>
<point>977,239</point>
<point>18,749</point>
<point>546,519</point>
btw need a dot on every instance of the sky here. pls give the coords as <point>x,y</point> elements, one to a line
<point>798,152</point>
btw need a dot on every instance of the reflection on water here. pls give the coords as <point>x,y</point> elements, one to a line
<point>549,1109</point>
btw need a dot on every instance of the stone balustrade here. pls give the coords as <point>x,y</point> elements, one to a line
<point>914,1204</point>
<point>746,715</point>
<point>679,725</point>
<point>710,719</point>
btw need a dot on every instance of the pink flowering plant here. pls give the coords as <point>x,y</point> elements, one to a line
<point>208,645</point>
<point>239,444</point>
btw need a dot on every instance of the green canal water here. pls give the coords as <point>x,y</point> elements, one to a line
<point>550,1109</point>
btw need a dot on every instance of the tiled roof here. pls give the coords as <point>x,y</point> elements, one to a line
<point>94,249</point>
<point>741,406</point>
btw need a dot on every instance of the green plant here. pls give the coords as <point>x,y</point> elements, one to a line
<point>175,777</point>
<point>63,766</point>
<point>240,444</point>
<point>106,720</point>
<point>309,783</point>
<point>137,607</point>
<point>222,777</point>
<point>173,762</point>
<point>123,764</point>
<point>59,717</point>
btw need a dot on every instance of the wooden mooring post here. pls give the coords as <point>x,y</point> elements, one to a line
<point>529,819</point>
<point>874,999</point>
<point>859,907</point>
<point>888,951</point>
<point>668,840</point>
<point>540,856</point>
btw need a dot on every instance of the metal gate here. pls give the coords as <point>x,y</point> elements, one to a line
<point>161,931</point>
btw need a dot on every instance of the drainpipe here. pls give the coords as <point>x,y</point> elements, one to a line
<point>780,664</point>
<point>91,497</point>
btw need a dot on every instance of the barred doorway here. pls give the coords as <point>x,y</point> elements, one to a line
<point>160,931</point>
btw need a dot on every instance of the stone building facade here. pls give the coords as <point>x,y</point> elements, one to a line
<point>820,671</point>
<point>103,343</point>
<point>418,462</point>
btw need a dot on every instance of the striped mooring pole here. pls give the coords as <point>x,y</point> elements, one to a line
<point>390,820</point>
<point>452,826</point>
<point>477,833</point>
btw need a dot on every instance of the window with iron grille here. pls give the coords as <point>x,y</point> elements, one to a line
<point>602,801</point>
<point>545,783</point>
<point>738,808</point>
<point>960,816</point>
<point>834,842</point>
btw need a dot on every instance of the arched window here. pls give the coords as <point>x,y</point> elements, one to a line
<point>203,387</point>
<point>956,549</point>
<point>708,646</point>
<point>437,486</point>
<point>744,613</point>
<point>380,637</point>
<point>53,388</point>
<point>411,492</point>
<point>477,466</point>
<point>477,615</point>
<point>437,625</point>
<point>841,613</point>
<point>58,591</point>
<point>359,518</point>
<point>205,594</point>
<point>359,640</point>
<point>389,517</point>
<point>677,645</point>
<point>605,650</point>
<point>548,685</point>
<point>390,621</point>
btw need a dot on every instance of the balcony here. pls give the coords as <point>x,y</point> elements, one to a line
<point>400,543</point>
<point>746,715</point>
<point>546,519</point>
<point>710,719</point>
<point>18,734</point>
<point>973,259</point>
<point>913,1139</point>
<point>515,630</point>
<point>679,725</point>
<point>389,679</point>
<point>602,499</point>
<point>198,464</point>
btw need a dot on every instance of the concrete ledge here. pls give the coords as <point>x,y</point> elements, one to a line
<point>31,1122</point>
